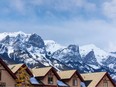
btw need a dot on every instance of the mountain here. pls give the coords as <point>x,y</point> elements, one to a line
<point>31,49</point>
<point>99,53</point>
<point>19,47</point>
<point>52,46</point>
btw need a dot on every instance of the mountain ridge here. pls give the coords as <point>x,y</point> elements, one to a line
<point>19,47</point>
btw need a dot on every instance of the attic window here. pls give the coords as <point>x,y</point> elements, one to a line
<point>2,84</point>
<point>75,82</point>
<point>50,78</point>
<point>105,83</point>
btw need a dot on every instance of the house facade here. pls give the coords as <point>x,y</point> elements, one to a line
<point>7,78</point>
<point>71,77</point>
<point>47,76</point>
<point>99,79</point>
<point>105,82</point>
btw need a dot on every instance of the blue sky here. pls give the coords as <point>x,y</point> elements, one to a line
<point>65,21</point>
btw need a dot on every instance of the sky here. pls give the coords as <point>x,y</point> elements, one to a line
<point>67,22</point>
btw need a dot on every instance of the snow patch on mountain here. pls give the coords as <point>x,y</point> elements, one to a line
<point>10,50</point>
<point>52,46</point>
<point>94,66</point>
<point>99,53</point>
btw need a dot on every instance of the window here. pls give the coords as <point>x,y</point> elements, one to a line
<point>50,78</point>
<point>105,83</point>
<point>2,84</point>
<point>0,74</point>
<point>75,82</point>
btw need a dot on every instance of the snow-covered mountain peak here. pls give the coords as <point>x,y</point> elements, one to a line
<point>74,48</point>
<point>11,34</point>
<point>52,46</point>
<point>89,47</point>
<point>49,42</point>
<point>99,53</point>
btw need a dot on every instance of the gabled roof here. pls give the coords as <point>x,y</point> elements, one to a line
<point>42,72</point>
<point>95,78</point>
<point>7,68</point>
<point>15,67</point>
<point>68,74</point>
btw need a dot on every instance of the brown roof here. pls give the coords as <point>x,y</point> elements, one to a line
<point>15,67</point>
<point>7,68</point>
<point>42,72</point>
<point>95,78</point>
<point>68,74</point>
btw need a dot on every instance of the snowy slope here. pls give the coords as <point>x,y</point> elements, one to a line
<point>52,46</point>
<point>99,53</point>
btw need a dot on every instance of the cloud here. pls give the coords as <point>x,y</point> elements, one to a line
<point>18,5</point>
<point>78,31</point>
<point>63,5</point>
<point>112,47</point>
<point>64,21</point>
<point>12,6</point>
<point>36,7</point>
<point>109,9</point>
<point>98,32</point>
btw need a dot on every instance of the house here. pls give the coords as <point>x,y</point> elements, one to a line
<point>47,76</point>
<point>71,77</point>
<point>7,78</point>
<point>99,79</point>
<point>23,74</point>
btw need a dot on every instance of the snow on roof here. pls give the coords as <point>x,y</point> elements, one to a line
<point>33,80</point>
<point>83,84</point>
<point>60,83</point>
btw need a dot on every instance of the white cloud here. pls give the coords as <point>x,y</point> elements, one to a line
<point>90,7</point>
<point>112,47</point>
<point>58,5</point>
<point>76,31</point>
<point>18,5</point>
<point>82,32</point>
<point>70,5</point>
<point>109,9</point>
